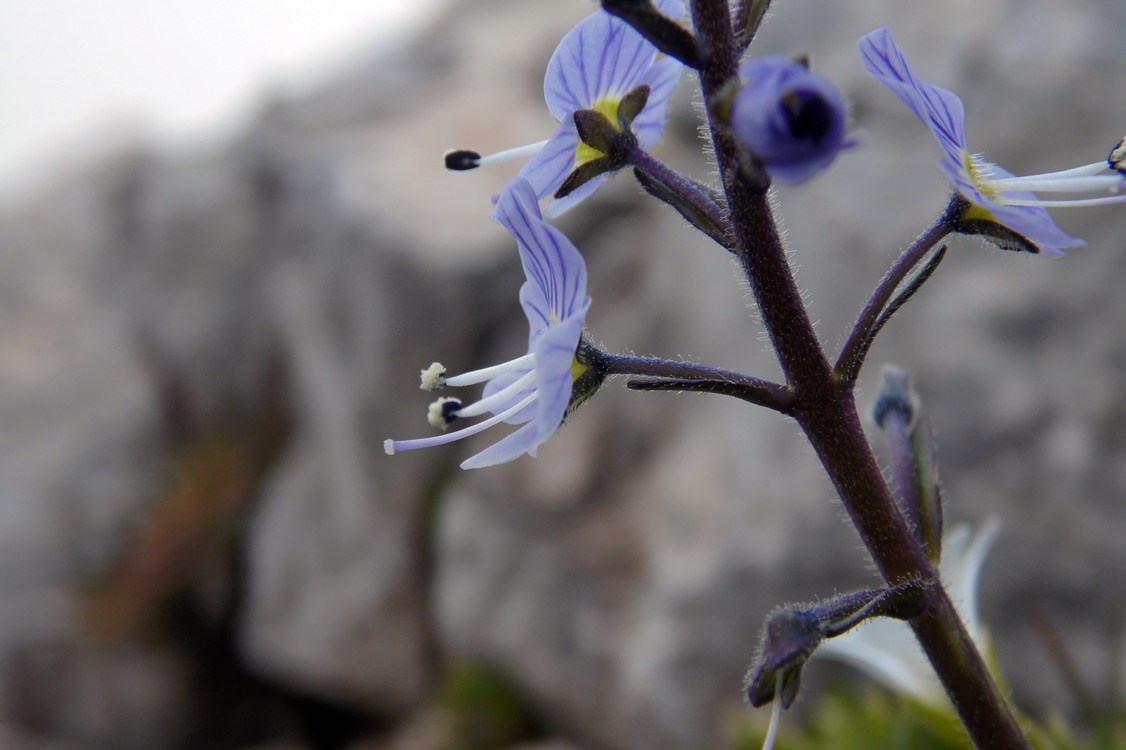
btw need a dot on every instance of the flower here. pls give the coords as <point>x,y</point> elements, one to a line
<point>595,66</point>
<point>996,198</point>
<point>535,389</point>
<point>789,117</point>
<point>886,648</point>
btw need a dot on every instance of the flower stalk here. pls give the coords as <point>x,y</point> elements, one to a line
<point>869,322</point>
<point>825,408</point>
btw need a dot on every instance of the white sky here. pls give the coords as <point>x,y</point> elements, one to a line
<point>70,68</point>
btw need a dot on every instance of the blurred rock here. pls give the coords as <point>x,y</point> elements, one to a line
<point>620,579</point>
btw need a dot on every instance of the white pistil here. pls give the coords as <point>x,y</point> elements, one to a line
<point>512,154</point>
<point>490,403</point>
<point>391,447</point>
<point>432,377</point>
<point>488,373</point>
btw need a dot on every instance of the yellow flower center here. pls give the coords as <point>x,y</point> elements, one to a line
<point>578,369</point>
<point>976,211</point>
<point>980,180</point>
<point>609,108</point>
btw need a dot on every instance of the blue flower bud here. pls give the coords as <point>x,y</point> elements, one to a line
<point>791,119</point>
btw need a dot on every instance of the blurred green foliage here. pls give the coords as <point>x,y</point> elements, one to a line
<point>485,710</point>
<point>870,719</point>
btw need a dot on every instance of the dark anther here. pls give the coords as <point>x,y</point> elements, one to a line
<point>462,159</point>
<point>450,409</point>
<point>1117,158</point>
<point>631,105</point>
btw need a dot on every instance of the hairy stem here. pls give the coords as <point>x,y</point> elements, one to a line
<point>670,374</point>
<point>825,407</point>
<point>693,200</point>
<point>863,331</point>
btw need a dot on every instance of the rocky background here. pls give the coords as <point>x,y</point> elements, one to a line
<point>202,544</point>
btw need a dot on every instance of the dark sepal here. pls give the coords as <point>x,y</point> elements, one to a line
<point>664,33</point>
<point>630,106</point>
<point>583,175</point>
<point>748,16</point>
<point>592,377</point>
<point>790,638</point>
<point>963,221</point>
<point>596,131</point>
<point>792,634</point>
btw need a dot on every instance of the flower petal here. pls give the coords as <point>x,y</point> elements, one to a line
<point>562,205</point>
<point>547,170</point>
<point>601,56</point>
<point>551,262</point>
<point>963,572</point>
<point>555,351</point>
<point>507,449</point>
<point>1034,223</point>
<point>663,79</point>
<point>939,109</point>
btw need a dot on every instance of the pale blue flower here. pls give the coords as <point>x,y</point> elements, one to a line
<point>596,64</point>
<point>994,194</point>
<point>789,117</point>
<point>886,648</point>
<point>535,389</point>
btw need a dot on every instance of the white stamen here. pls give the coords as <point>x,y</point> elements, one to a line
<point>775,714</point>
<point>436,412</point>
<point>392,446</point>
<point>432,377</point>
<point>1089,178</point>
<point>513,154</point>
<point>1108,183</point>
<point>489,403</point>
<point>488,373</point>
<point>1104,201</point>
<point>1084,171</point>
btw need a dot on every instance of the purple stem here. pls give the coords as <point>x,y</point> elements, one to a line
<point>825,407</point>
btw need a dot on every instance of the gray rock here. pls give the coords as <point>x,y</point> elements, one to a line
<point>620,579</point>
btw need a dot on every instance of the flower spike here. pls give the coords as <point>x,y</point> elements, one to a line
<point>539,388</point>
<point>998,205</point>
<point>596,66</point>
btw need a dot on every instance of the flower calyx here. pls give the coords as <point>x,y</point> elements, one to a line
<point>793,633</point>
<point>607,139</point>
<point>965,217</point>
<point>589,370</point>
